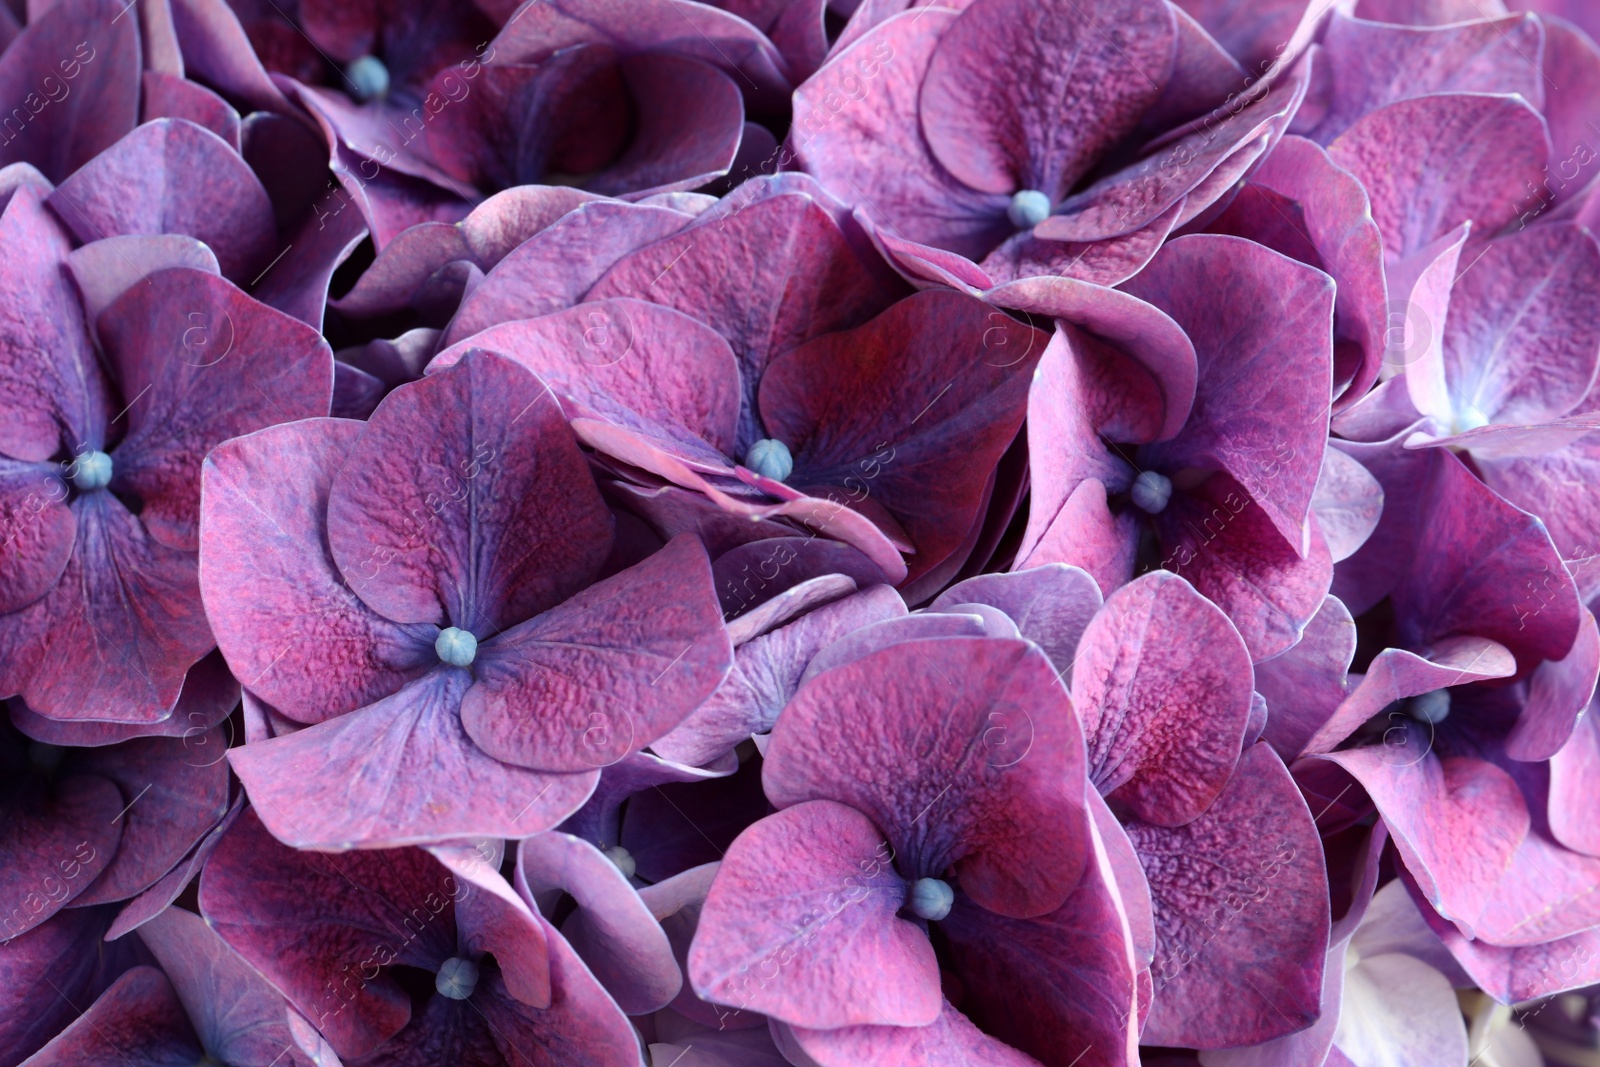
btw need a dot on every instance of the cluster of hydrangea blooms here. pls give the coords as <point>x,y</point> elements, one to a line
<point>694,533</point>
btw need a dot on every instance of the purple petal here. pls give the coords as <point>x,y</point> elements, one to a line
<point>144,1013</point>
<point>375,778</point>
<point>466,501</point>
<point>104,270</point>
<point>190,397</point>
<point>612,930</point>
<point>38,530</point>
<point>1347,503</point>
<point>153,901</point>
<point>1558,693</point>
<point>1574,775</point>
<point>1304,685</point>
<point>54,846</point>
<point>807,898</point>
<point>73,75</point>
<point>51,973</point>
<point>171,176</point>
<point>949,1039</point>
<point>611,669</point>
<point>1162,684</point>
<point>289,627</point>
<point>169,97</point>
<point>1052,606</point>
<point>1006,741</point>
<point>1241,914</point>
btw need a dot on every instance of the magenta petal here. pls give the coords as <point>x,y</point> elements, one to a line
<point>801,924</point>
<point>1227,547</point>
<point>1433,162</point>
<point>174,791</point>
<point>1163,686</point>
<point>927,451</point>
<point>688,120</point>
<point>1006,740</point>
<point>322,929</point>
<point>609,671</point>
<point>950,1039</point>
<point>1373,64</point>
<point>1258,413</point>
<point>126,611</point>
<point>878,153</point>
<point>143,1012</point>
<point>1085,534</point>
<point>69,953</point>
<point>1395,674</point>
<point>276,596</point>
<point>465,501</point>
<point>1574,779</point>
<point>491,916</point>
<point>1522,340</point>
<point>555,267</point>
<point>191,397</point>
<point>171,176</point>
<point>1052,606</point>
<point>37,531</point>
<point>239,1018</point>
<point>73,75</point>
<point>104,270</point>
<point>209,695</point>
<point>767,275</point>
<point>1457,821</point>
<point>52,390</point>
<point>1558,694</point>
<point>1058,985</point>
<point>169,97</point>
<point>1257,32</point>
<point>1108,261</point>
<point>375,778</point>
<point>767,671</point>
<point>1241,914</point>
<point>1304,685</point>
<point>53,847</point>
<point>153,901</point>
<point>612,930</point>
<point>1021,95</point>
<point>666,386</point>
<point>1347,503</point>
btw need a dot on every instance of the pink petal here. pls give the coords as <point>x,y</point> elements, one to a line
<point>808,899</point>
<point>493,917</point>
<point>611,669</point>
<point>1006,741</point>
<point>949,1039</point>
<point>1348,503</point>
<point>1241,915</point>
<point>171,176</point>
<point>1558,694</point>
<point>400,771</point>
<point>1052,606</point>
<point>288,625</point>
<point>37,529</point>
<point>1574,774</point>
<point>1304,685</point>
<point>1162,684</point>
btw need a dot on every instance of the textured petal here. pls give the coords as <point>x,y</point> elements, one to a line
<point>553,268</point>
<point>1485,568</point>
<point>188,398</point>
<point>236,1014</point>
<point>55,843</point>
<point>1372,64</point>
<point>612,930</point>
<point>608,671</point>
<point>70,86</point>
<point>768,275</point>
<point>1085,534</point>
<point>907,382</point>
<point>37,531</point>
<point>491,916</point>
<point>801,924</point>
<point>856,129</point>
<point>209,695</point>
<point>984,747</point>
<point>1304,685</point>
<point>1253,417</point>
<point>159,897</point>
<point>1228,549</point>
<point>1558,694</point>
<point>767,671</point>
<point>667,383</point>
<point>53,972</point>
<point>104,270</point>
<point>1258,32</point>
<point>323,929</point>
<point>1054,986</point>
<point>1162,684</point>
<point>126,614</point>
<point>289,627</point>
<point>166,96</point>
<point>1052,606</point>
<point>1522,341</point>
<point>1433,162</point>
<point>1457,821</point>
<point>1022,95</point>
<point>1574,775</point>
<point>173,791</point>
<point>949,1041</point>
<point>144,1013</point>
<point>1241,914</point>
<point>466,502</point>
<point>52,390</point>
<point>1347,502</point>
<point>171,176</point>
<point>399,771</point>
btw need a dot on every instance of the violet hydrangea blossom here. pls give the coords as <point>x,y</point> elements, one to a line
<point>419,590</point>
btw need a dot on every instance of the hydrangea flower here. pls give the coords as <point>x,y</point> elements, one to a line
<point>420,591</point>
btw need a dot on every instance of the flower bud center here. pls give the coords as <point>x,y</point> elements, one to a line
<point>457,978</point>
<point>368,78</point>
<point>456,647</point>
<point>770,458</point>
<point>1431,707</point>
<point>91,471</point>
<point>931,899</point>
<point>1151,491</point>
<point>1028,208</point>
<point>622,859</point>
